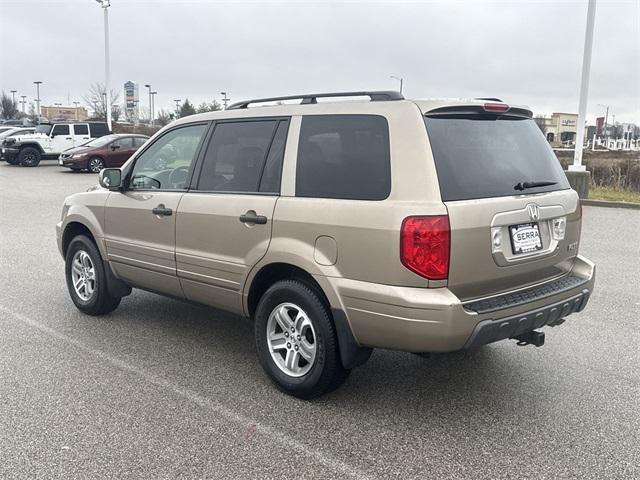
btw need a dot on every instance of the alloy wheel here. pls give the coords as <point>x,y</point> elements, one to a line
<point>291,339</point>
<point>83,275</point>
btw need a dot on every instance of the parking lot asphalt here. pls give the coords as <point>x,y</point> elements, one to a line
<point>165,389</point>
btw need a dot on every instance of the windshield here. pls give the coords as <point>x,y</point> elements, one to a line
<point>100,142</point>
<point>43,128</point>
<point>482,156</point>
<point>5,129</point>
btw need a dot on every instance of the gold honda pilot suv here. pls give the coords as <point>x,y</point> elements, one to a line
<point>339,227</point>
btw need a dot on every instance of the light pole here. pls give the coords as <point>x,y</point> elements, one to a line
<point>153,108</point>
<point>150,114</point>
<point>584,88</point>
<point>23,102</point>
<point>13,96</point>
<point>38,83</point>
<point>105,4</point>
<point>225,100</point>
<point>177,100</point>
<point>400,79</point>
<point>77,113</point>
<point>104,103</point>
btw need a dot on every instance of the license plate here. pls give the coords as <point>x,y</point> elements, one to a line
<point>525,238</point>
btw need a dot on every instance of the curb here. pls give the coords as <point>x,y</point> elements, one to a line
<point>609,204</point>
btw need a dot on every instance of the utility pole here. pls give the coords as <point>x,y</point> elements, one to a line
<point>584,88</point>
<point>225,100</point>
<point>153,108</point>
<point>150,114</point>
<point>105,4</point>
<point>23,102</point>
<point>177,100</point>
<point>400,79</point>
<point>38,83</point>
<point>13,96</point>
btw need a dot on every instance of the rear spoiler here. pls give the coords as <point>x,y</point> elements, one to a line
<point>486,109</point>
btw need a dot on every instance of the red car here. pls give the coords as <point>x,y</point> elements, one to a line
<point>108,151</point>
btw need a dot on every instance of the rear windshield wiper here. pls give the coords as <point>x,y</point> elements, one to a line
<point>525,185</point>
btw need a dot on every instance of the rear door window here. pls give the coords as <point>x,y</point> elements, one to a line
<point>98,129</point>
<point>344,156</point>
<point>81,129</point>
<point>483,156</point>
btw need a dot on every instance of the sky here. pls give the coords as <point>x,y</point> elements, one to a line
<point>525,52</point>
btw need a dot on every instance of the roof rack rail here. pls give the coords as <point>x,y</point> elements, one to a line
<point>375,96</point>
<point>489,99</point>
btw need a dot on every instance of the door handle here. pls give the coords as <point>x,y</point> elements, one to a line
<point>162,211</point>
<point>252,217</point>
<point>68,138</point>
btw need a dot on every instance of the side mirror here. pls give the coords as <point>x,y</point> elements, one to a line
<point>110,178</point>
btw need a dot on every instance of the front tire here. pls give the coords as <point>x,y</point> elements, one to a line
<point>296,340</point>
<point>95,164</point>
<point>29,157</point>
<point>86,278</point>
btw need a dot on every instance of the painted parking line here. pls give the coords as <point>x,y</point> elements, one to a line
<point>221,410</point>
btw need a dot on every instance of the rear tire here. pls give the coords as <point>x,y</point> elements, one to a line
<point>29,157</point>
<point>86,278</point>
<point>293,324</point>
<point>95,164</point>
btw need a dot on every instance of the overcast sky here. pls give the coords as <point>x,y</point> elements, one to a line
<point>524,52</point>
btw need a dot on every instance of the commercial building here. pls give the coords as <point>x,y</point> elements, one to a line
<point>59,112</point>
<point>561,128</point>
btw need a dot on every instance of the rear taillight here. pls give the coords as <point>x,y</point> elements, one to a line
<point>424,245</point>
<point>495,107</point>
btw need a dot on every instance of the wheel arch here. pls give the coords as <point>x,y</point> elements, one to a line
<point>72,230</point>
<point>35,145</point>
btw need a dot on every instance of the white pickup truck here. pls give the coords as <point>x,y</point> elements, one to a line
<point>49,140</point>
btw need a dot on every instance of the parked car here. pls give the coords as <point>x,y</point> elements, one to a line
<point>49,140</point>
<point>12,132</point>
<point>339,227</point>
<point>108,151</point>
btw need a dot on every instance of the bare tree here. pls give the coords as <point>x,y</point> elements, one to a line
<point>8,106</point>
<point>164,117</point>
<point>208,107</point>
<point>95,100</point>
<point>541,121</point>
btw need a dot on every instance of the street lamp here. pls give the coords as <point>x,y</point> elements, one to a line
<point>400,79</point>
<point>23,102</point>
<point>177,100</point>
<point>225,100</point>
<point>150,108</point>
<point>105,4</point>
<point>153,108</point>
<point>13,95</point>
<point>38,83</point>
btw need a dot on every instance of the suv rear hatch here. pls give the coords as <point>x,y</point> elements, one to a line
<point>514,219</point>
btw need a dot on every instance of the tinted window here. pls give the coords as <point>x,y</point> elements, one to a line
<point>98,129</point>
<point>60,130</point>
<point>481,156</point>
<point>138,142</point>
<point>167,161</point>
<point>122,143</point>
<point>236,156</point>
<point>344,156</point>
<point>80,129</point>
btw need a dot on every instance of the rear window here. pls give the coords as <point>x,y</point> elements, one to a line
<point>482,156</point>
<point>343,156</point>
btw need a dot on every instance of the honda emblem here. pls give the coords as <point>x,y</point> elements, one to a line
<point>534,212</point>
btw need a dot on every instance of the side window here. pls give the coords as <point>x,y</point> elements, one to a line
<point>121,143</point>
<point>98,130</point>
<point>344,156</point>
<point>60,130</point>
<point>138,142</point>
<point>167,162</point>
<point>236,156</point>
<point>81,129</point>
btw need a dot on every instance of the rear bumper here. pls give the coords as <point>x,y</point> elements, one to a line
<point>435,320</point>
